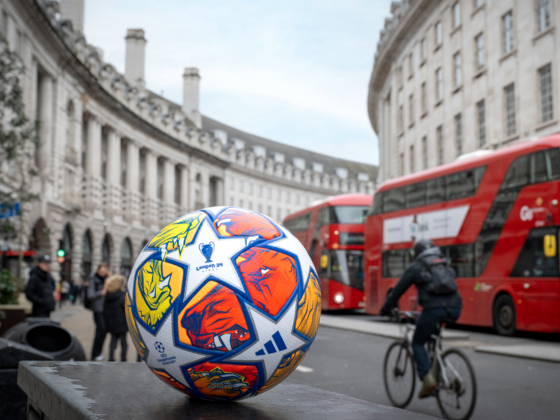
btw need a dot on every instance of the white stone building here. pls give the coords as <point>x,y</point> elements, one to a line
<point>118,162</point>
<point>455,76</point>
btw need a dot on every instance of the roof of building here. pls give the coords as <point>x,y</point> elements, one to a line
<point>330,164</point>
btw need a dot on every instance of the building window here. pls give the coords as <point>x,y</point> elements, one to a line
<point>279,215</point>
<point>269,194</point>
<point>423,51</point>
<point>4,24</point>
<point>232,182</point>
<point>269,211</point>
<point>412,169</point>
<point>478,3</point>
<point>438,33</point>
<point>459,134</point>
<point>178,186</point>
<point>411,108</point>
<point>481,119</point>
<point>543,14</point>
<point>288,197</point>
<point>399,78</point>
<point>241,185</point>
<point>250,188</point>
<point>457,69</point>
<point>439,84</point>
<point>424,152</point>
<point>401,119</point>
<point>297,198</point>
<point>456,10</point>
<point>240,202</point>
<point>250,205</point>
<point>260,208</point>
<point>479,48</point>
<point>260,189</point>
<point>401,164</point>
<point>160,179</point>
<point>232,201</point>
<point>507,31</point>
<point>410,66</point>
<point>509,100</point>
<point>278,195</point>
<point>439,134</point>
<point>547,104</point>
<point>424,99</point>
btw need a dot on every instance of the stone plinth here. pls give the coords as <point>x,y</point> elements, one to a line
<point>88,390</point>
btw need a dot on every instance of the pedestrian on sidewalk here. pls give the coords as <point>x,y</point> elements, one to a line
<point>64,292</point>
<point>41,288</point>
<point>75,291</point>
<point>115,319</point>
<point>96,294</point>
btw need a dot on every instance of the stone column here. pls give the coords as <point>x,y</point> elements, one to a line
<point>220,194</point>
<point>114,191</point>
<point>133,181</point>
<point>170,212</point>
<point>151,187</point>
<point>45,117</point>
<point>184,193</point>
<point>93,182</point>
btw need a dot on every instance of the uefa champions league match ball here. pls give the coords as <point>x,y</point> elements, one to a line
<point>223,303</point>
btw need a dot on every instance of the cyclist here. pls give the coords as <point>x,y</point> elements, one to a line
<point>439,298</point>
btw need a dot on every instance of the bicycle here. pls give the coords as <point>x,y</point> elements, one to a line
<point>456,381</point>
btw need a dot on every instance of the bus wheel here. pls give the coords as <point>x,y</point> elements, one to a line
<point>505,318</point>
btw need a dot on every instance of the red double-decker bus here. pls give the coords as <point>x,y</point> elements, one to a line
<point>332,231</point>
<point>496,219</point>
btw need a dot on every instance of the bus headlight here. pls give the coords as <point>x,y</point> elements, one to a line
<point>338,298</point>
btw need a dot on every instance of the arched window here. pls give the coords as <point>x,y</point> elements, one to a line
<point>70,134</point>
<point>86,255</point>
<point>126,257</point>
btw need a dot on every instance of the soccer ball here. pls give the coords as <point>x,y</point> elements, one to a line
<point>223,303</point>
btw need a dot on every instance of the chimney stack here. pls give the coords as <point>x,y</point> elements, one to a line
<point>191,83</point>
<point>73,10</point>
<point>135,57</point>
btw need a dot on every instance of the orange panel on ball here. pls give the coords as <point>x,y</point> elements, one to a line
<point>223,380</point>
<point>241,222</point>
<point>270,276</point>
<point>213,320</point>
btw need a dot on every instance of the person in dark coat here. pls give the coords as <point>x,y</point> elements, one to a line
<point>115,319</point>
<point>96,294</point>
<point>40,288</point>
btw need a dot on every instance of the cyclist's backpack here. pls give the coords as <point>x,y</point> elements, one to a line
<point>437,277</point>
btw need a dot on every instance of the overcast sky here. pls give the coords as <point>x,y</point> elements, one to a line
<point>293,71</point>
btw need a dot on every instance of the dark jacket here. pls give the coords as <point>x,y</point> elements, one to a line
<point>94,290</point>
<point>113,311</point>
<point>412,276</point>
<point>39,291</point>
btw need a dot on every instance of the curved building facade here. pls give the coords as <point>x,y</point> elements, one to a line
<point>117,161</point>
<point>453,77</point>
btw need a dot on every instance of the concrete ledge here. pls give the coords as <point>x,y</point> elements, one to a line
<point>89,390</point>
<point>544,352</point>
<point>382,329</point>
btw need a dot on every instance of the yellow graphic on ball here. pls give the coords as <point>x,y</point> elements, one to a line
<point>176,235</point>
<point>158,284</point>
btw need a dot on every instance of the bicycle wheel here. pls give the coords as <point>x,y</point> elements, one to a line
<point>399,374</point>
<point>457,398</point>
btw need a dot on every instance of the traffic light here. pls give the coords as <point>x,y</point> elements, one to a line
<point>61,253</point>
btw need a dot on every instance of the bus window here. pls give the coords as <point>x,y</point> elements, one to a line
<point>322,220</point>
<point>532,261</point>
<point>393,200</point>
<point>554,163</point>
<point>351,238</point>
<point>349,214</point>
<point>435,190</point>
<point>416,195</point>
<point>347,267</point>
<point>461,259</point>
<point>460,185</point>
<point>377,205</point>
<point>395,262</point>
<point>298,224</point>
<point>539,171</point>
<point>518,173</point>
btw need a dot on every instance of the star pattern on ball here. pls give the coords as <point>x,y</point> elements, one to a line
<point>210,256</point>
<point>292,245</point>
<point>169,358</point>
<point>275,339</point>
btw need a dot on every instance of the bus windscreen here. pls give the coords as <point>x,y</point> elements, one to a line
<point>349,214</point>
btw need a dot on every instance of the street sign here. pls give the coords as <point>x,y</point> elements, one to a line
<point>7,211</point>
